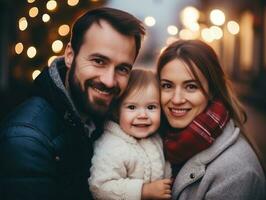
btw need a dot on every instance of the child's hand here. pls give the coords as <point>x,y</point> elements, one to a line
<point>160,189</point>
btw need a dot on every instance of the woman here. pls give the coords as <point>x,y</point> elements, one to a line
<point>203,133</point>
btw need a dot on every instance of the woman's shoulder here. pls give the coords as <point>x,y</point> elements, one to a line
<point>237,159</point>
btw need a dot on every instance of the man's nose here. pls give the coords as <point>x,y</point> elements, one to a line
<point>108,78</point>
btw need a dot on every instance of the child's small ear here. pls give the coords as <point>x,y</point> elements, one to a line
<point>69,55</point>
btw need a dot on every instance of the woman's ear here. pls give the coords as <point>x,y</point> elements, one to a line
<point>69,55</point>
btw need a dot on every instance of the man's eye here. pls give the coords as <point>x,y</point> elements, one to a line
<point>152,107</point>
<point>131,107</point>
<point>98,61</point>
<point>123,70</point>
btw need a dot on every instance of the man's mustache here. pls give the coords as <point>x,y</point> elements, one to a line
<point>102,87</point>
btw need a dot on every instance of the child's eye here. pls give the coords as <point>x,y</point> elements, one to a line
<point>131,107</point>
<point>151,107</point>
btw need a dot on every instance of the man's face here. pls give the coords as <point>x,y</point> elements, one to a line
<point>99,73</point>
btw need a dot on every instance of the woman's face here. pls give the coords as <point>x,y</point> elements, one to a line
<point>181,96</point>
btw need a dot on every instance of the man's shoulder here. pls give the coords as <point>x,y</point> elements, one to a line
<point>34,114</point>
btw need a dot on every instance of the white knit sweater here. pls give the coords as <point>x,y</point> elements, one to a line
<point>121,164</point>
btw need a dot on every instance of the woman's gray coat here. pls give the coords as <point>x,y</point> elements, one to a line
<point>228,170</point>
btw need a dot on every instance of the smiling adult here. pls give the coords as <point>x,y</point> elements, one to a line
<point>203,128</point>
<point>46,143</point>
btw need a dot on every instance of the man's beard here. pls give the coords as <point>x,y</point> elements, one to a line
<point>98,108</point>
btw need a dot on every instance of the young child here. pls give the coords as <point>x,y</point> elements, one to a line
<point>128,161</point>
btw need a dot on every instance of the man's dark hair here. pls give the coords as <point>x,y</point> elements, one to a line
<point>121,21</point>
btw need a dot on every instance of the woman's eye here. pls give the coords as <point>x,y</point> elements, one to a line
<point>165,85</point>
<point>191,87</point>
<point>131,107</point>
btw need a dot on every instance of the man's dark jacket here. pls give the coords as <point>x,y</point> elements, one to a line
<point>45,147</point>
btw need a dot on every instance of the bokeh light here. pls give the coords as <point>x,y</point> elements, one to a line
<point>72,2</point>
<point>23,23</point>
<point>189,15</point>
<point>207,35</point>
<point>45,17</point>
<point>33,12</point>
<point>150,21</point>
<point>31,52</point>
<point>51,5</point>
<point>216,32</point>
<point>50,60</point>
<point>57,46</point>
<point>19,48</point>
<point>233,27</point>
<point>35,73</point>
<point>63,30</point>
<point>217,17</point>
<point>172,30</point>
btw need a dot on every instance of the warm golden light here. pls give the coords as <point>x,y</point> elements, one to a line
<point>233,27</point>
<point>206,35</point>
<point>170,40</point>
<point>22,24</point>
<point>57,46</point>
<point>35,74</point>
<point>72,2</point>
<point>217,17</point>
<point>51,5</point>
<point>50,60</point>
<point>45,18</point>
<point>33,12</point>
<point>162,50</point>
<point>19,48</point>
<point>189,15</point>
<point>94,0</point>
<point>216,32</point>
<point>187,34</point>
<point>30,1</point>
<point>172,30</point>
<point>63,30</point>
<point>31,52</point>
<point>193,26</point>
<point>149,21</point>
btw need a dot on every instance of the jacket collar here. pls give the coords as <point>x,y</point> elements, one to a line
<point>114,129</point>
<point>194,168</point>
<point>51,86</point>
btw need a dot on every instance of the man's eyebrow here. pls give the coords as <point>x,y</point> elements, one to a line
<point>97,55</point>
<point>126,65</point>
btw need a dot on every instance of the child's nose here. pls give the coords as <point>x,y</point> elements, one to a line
<point>142,113</point>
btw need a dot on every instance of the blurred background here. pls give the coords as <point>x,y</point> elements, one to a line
<point>34,32</point>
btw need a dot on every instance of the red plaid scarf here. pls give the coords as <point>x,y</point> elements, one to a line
<point>180,145</point>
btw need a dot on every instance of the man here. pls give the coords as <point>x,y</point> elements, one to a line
<point>46,143</point>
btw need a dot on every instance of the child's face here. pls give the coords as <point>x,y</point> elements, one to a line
<point>140,113</point>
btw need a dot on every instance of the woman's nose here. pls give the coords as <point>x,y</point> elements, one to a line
<point>178,97</point>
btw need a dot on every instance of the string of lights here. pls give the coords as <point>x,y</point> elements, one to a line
<point>41,25</point>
